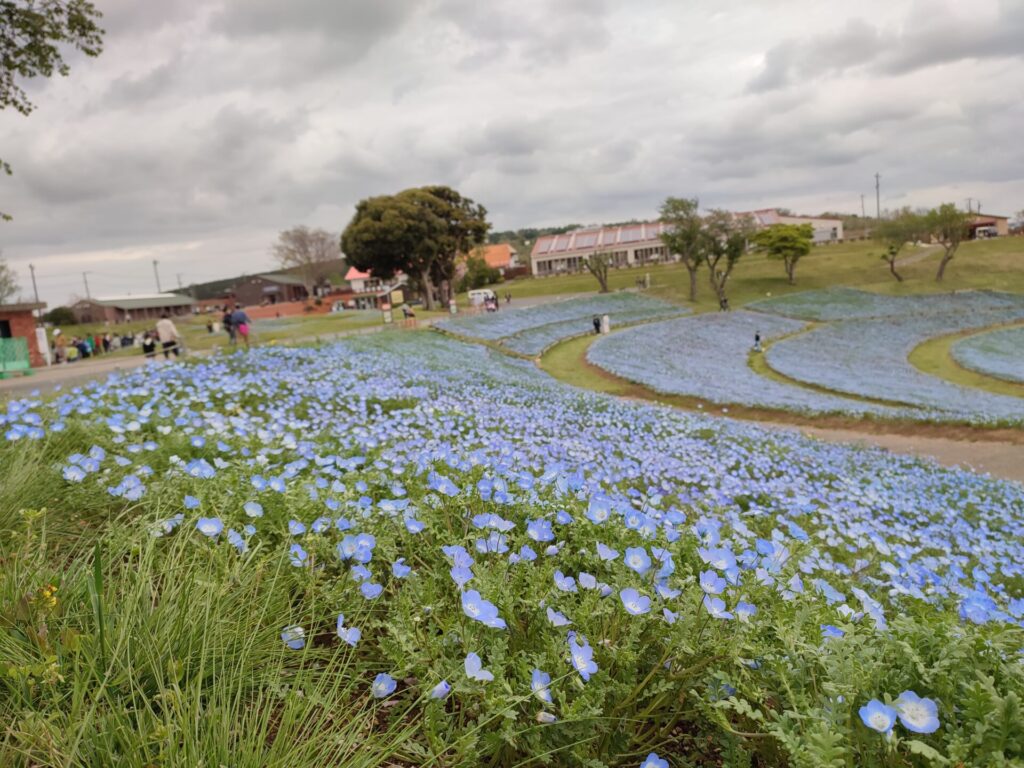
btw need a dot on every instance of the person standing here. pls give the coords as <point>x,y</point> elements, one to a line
<point>597,325</point>
<point>226,322</point>
<point>148,345</point>
<point>168,335</point>
<point>241,323</point>
<point>757,341</point>
<point>60,347</point>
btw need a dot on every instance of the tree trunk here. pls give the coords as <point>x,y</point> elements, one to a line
<point>892,268</point>
<point>602,278</point>
<point>693,282</point>
<point>428,290</point>
<point>790,270</point>
<point>946,258</point>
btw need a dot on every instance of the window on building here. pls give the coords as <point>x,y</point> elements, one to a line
<point>5,329</point>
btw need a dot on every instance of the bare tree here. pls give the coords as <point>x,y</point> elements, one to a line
<point>308,251</point>
<point>598,264</point>
<point>948,226</point>
<point>8,281</point>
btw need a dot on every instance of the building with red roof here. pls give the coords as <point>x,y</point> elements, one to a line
<point>633,244</point>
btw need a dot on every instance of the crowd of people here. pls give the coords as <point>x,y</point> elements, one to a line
<point>164,338</point>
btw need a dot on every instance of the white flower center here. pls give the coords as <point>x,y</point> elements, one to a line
<point>914,712</point>
<point>879,721</point>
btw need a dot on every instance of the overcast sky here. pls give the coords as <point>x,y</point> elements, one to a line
<point>207,126</point>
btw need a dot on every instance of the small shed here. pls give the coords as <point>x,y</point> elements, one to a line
<point>19,346</point>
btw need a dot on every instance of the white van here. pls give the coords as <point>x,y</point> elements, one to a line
<point>480,295</point>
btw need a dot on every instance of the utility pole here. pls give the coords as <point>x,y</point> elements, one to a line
<point>35,290</point>
<point>862,214</point>
<point>969,201</point>
<point>878,196</point>
<point>179,281</point>
<point>155,272</point>
<point>85,278</point>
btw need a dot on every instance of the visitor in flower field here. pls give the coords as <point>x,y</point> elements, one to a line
<point>597,324</point>
<point>757,341</point>
<point>241,323</point>
<point>148,344</point>
<point>60,347</point>
<point>167,333</point>
<point>228,327</point>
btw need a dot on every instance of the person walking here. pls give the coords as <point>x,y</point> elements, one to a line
<point>168,335</point>
<point>597,325</point>
<point>757,341</point>
<point>226,322</point>
<point>241,323</point>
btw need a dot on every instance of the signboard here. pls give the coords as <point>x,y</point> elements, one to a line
<point>397,297</point>
<point>43,345</point>
<point>385,308</point>
<point>452,307</point>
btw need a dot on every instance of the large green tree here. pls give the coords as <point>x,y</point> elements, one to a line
<point>683,235</point>
<point>948,226</point>
<point>32,33</point>
<point>418,231</point>
<point>724,238</point>
<point>786,242</point>
<point>894,232</point>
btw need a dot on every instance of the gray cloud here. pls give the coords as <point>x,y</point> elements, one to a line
<point>209,125</point>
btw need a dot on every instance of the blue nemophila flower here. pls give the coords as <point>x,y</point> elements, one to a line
<point>277,484</point>
<point>297,556</point>
<point>370,590</point>
<point>638,560</point>
<point>294,637</point>
<point>458,555</point>
<point>653,761</point>
<point>475,670</point>
<point>582,656</point>
<point>461,576</point>
<point>296,528</point>
<point>441,690</point>
<point>74,473</point>
<point>716,607</point>
<point>635,603</point>
<point>711,583</point>
<point>253,509</point>
<point>745,610</point>
<point>829,632</point>
<point>209,526</point>
<point>348,635</point>
<point>413,525</point>
<point>557,619</point>
<point>670,616</point>
<point>917,715</point>
<point>665,592</point>
<point>540,530</point>
<point>539,685</point>
<point>586,580</point>
<point>400,569</point>
<point>599,509</point>
<point>191,502</point>
<point>564,583</point>
<point>606,553</point>
<point>878,716</point>
<point>526,553</point>
<point>235,539</point>
<point>383,685</point>
<point>546,718</point>
<point>481,610</point>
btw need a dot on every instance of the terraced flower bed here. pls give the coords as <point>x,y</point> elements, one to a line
<point>851,304</point>
<point>531,330</point>
<point>405,550</point>
<point>706,357</point>
<point>996,353</point>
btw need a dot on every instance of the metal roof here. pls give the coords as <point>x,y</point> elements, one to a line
<point>143,301</point>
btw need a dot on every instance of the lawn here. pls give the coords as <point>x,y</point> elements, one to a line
<point>996,264</point>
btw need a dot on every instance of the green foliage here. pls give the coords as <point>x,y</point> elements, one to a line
<point>59,316</point>
<point>894,232</point>
<point>684,233</point>
<point>478,274</point>
<point>8,282</point>
<point>948,226</point>
<point>788,242</point>
<point>418,231</point>
<point>723,241</point>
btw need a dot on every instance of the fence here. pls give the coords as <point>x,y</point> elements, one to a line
<point>14,357</point>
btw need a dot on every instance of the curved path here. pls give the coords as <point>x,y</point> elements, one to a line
<point>999,452</point>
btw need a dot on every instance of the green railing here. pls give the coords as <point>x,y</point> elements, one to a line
<point>14,357</point>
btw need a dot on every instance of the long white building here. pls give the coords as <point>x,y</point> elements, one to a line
<point>629,244</point>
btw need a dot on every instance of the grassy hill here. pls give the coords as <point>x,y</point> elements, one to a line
<point>994,264</point>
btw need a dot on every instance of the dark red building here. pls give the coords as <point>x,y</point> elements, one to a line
<point>17,323</point>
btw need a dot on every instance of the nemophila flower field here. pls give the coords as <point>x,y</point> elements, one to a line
<point>869,358</point>
<point>531,330</point>
<point>706,356</point>
<point>842,303</point>
<point>996,353</point>
<point>409,551</point>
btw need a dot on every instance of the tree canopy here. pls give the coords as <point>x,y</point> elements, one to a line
<point>8,282</point>
<point>788,242</point>
<point>723,241</point>
<point>683,235</point>
<point>948,225</point>
<point>894,232</point>
<point>419,231</point>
